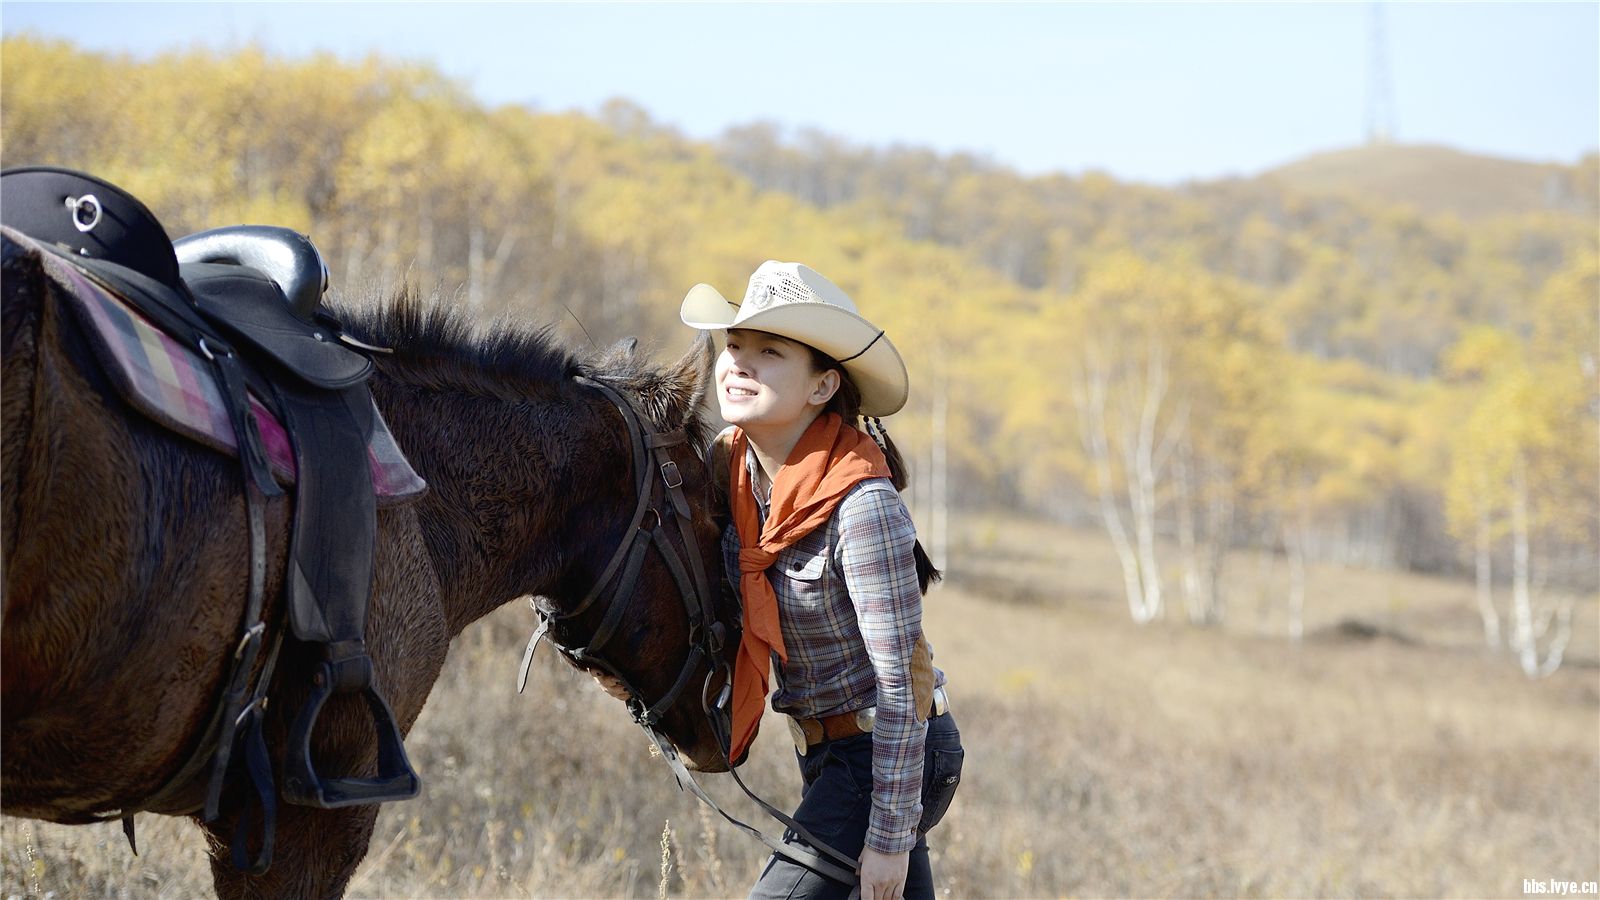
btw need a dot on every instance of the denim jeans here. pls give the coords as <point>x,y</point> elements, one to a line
<point>835,805</point>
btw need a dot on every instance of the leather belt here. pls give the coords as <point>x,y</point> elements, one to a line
<point>808,733</point>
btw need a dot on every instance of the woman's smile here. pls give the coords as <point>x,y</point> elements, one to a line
<point>763,379</point>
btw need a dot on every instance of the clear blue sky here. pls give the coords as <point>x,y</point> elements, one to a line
<point>1148,92</point>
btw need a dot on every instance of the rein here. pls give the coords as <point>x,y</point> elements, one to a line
<point>706,635</point>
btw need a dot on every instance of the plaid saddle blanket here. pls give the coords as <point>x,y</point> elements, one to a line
<point>173,386</point>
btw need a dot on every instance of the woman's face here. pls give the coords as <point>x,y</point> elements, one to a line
<point>767,381</point>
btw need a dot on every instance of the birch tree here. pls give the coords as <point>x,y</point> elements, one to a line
<point>1524,458</point>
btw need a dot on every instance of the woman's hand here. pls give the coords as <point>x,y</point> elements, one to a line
<point>612,685</point>
<point>883,875</point>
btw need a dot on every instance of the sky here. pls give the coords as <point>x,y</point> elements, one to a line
<point>1158,93</point>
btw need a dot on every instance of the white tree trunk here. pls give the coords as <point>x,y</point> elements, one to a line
<point>425,236</point>
<point>475,265</point>
<point>496,265</point>
<point>1142,486</point>
<point>1218,534</point>
<point>1482,552</point>
<point>1526,634</point>
<point>1187,558</point>
<point>354,256</point>
<point>940,536</point>
<point>1089,392</point>
<point>1295,538</point>
<point>1523,639</point>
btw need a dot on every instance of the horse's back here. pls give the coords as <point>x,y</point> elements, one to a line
<point>125,554</point>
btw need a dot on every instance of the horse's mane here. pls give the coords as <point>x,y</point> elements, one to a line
<point>440,346</point>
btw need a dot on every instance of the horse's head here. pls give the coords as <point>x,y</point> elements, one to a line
<point>647,604</point>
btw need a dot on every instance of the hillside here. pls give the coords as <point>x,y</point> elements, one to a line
<point>1348,359</point>
<point>1437,179</point>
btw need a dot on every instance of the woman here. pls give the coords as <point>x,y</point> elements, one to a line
<point>831,577</point>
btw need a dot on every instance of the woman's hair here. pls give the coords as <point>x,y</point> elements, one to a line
<point>846,402</point>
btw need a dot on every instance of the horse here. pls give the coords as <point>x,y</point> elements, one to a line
<point>125,552</point>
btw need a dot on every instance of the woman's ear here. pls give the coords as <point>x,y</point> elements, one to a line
<point>827,385</point>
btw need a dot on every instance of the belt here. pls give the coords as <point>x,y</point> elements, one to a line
<point>808,733</point>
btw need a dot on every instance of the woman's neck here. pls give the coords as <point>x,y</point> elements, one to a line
<point>773,444</point>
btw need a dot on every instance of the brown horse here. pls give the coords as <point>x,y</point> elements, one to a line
<point>126,548</point>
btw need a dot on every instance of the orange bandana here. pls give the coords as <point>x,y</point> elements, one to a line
<point>829,460</point>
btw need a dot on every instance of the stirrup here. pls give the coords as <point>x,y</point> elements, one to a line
<point>396,780</point>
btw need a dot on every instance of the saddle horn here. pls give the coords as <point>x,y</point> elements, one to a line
<point>282,254</point>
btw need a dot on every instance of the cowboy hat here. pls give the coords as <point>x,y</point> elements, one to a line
<point>794,301</point>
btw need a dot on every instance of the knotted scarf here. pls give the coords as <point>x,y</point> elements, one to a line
<point>830,458</point>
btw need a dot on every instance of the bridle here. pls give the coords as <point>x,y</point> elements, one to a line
<point>648,528</point>
<point>707,636</point>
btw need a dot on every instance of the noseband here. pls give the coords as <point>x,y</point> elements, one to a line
<point>648,528</point>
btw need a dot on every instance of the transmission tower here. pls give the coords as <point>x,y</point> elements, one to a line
<point>1380,93</point>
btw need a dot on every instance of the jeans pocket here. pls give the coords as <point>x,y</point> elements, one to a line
<point>939,785</point>
<point>833,804</point>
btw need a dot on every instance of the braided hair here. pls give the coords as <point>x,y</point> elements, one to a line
<point>846,401</point>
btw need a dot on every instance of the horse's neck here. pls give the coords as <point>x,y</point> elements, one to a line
<point>500,516</point>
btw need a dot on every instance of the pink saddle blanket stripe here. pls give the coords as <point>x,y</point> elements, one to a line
<point>174,386</point>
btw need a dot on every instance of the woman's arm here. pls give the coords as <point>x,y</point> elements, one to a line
<point>874,555</point>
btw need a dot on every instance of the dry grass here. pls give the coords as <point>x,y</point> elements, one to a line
<point>1104,759</point>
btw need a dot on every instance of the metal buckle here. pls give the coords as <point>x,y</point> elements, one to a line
<point>671,475</point>
<point>866,718</point>
<point>799,735</point>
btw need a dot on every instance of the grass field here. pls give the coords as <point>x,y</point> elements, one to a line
<point>1104,759</point>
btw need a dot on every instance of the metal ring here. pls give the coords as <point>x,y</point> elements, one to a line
<point>252,634</point>
<point>85,212</point>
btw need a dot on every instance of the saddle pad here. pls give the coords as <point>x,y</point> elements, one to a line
<point>174,386</point>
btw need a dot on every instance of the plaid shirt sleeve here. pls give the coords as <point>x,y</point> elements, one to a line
<point>874,554</point>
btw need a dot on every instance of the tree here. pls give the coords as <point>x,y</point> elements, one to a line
<point>1524,460</point>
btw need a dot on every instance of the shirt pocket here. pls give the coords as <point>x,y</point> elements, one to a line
<point>804,570</point>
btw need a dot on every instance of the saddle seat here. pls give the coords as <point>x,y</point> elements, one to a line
<point>264,285</point>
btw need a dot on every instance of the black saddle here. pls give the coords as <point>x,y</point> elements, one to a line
<point>248,298</point>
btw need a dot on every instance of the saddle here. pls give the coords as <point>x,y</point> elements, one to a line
<point>247,299</point>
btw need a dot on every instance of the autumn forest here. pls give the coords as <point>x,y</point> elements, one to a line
<point>1369,377</point>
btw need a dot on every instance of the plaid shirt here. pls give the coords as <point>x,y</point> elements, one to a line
<point>851,613</point>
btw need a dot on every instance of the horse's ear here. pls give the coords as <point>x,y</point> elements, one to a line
<point>620,356</point>
<point>685,383</point>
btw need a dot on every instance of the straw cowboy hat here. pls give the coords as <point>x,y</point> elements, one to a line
<point>794,301</point>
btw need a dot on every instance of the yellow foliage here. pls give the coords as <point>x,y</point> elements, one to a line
<point>1293,340</point>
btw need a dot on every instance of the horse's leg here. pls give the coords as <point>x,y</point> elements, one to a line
<point>317,851</point>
